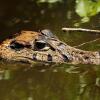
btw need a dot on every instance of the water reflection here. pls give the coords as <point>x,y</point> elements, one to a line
<point>63,81</point>
<point>32,84</point>
<point>77,83</point>
<point>89,85</point>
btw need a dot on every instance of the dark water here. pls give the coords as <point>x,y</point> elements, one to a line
<point>42,82</point>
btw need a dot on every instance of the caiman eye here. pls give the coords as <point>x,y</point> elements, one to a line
<point>39,45</point>
<point>16,46</point>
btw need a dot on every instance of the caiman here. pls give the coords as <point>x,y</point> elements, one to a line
<point>43,46</point>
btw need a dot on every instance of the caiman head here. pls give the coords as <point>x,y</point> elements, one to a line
<point>43,46</point>
<point>30,46</point>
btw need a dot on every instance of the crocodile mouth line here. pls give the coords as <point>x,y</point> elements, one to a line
<point>29,60</point>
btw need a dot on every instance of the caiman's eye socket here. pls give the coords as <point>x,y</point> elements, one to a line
<point>39,45</point>
<point>16,46</point>
<point>42,46</point>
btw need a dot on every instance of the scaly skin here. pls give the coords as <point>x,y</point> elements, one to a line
<point>57,52</point>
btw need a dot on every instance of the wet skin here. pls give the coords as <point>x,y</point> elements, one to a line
<point>43,46</point>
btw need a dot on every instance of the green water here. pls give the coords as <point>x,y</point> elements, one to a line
<point>48,82</point>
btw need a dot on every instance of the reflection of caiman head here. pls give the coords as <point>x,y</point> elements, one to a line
<point>43,46</point>
<point>30,46</point>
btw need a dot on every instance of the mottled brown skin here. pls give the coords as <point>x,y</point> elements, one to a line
<point>55,53</point>
<point>27,37</point>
